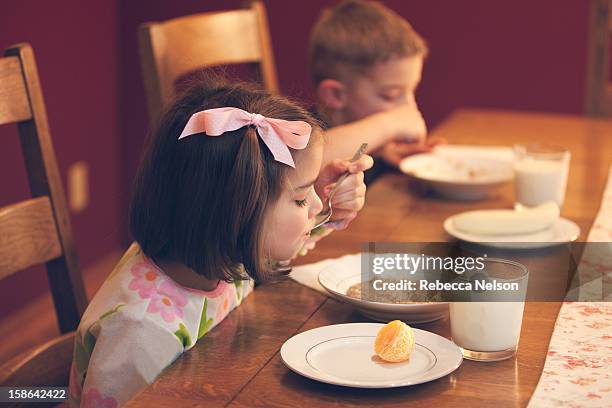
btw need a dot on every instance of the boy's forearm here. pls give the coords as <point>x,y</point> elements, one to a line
<point>343,140</point>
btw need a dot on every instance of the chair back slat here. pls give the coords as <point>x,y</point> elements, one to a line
<point>38,230</point>
<point>47,365</point>
<point>174,48</point>
<point>209,43</point>
<point>14,104</point>
<point>29,236</point>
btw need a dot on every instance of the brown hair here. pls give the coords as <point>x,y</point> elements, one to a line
<point>356,34</point>
<point>201,200</point>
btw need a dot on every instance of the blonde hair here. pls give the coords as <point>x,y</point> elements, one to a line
<point>356,34</point>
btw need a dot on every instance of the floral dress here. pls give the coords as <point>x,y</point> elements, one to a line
<point>138,323</point>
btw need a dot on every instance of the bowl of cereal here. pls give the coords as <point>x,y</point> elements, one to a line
<point>345,284</point>
<point>459,174</point>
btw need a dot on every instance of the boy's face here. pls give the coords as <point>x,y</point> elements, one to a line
<point>384,86</point>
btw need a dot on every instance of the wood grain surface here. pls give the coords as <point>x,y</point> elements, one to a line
<point>238,363</point>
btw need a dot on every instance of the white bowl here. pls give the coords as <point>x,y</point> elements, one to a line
<point>337,281</point>
<point>458,176</point>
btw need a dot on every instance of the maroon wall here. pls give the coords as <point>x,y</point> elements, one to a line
<point>76,48</point>
<point>517,55</point>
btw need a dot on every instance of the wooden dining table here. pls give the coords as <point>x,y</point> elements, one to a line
<point>238,363</point>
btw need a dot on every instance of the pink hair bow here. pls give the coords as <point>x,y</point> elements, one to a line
<point>277,134</point>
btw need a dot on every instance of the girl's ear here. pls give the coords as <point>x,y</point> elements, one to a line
<point>332,94</point>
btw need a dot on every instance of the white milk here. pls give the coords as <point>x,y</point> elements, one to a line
<point>486,326</point>
<point>538,181</point>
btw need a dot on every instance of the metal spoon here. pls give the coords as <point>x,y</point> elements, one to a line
<point>325,216</point>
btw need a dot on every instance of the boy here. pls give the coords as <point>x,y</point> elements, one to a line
<point>366,62</point>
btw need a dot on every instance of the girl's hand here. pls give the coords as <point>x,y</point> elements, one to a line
<point>350,196</point>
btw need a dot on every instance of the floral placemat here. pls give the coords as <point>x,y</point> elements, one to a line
<point>578,368</point>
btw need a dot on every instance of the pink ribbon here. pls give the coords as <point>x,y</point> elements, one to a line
<point>277,134</point>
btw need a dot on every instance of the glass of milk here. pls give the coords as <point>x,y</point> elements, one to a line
<point>487,324</point>
<point>540,174</point>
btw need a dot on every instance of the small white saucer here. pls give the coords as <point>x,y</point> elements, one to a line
<point>561,232</point>
<point>343,354</point>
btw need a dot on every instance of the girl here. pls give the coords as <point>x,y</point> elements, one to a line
<point>225,187</point>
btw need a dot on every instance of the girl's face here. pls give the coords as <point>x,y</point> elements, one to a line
<point>289,220</point>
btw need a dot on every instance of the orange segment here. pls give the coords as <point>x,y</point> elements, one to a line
<point>394,342</point>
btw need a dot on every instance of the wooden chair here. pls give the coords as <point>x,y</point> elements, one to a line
<point>598,101</point>
<point>174,48</point>
<point>46,365</point>
<point>37,230</point>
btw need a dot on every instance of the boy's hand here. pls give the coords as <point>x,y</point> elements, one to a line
<point>350,196</point>
<point>405,123</point>
<point>395,151</point>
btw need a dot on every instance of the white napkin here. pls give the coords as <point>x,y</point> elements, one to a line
<point>308,275</point>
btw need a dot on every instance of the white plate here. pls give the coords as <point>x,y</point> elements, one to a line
<point>337,281</point>
<point>561,232</point>
<point>458,176</point>
<point>343,354</point>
